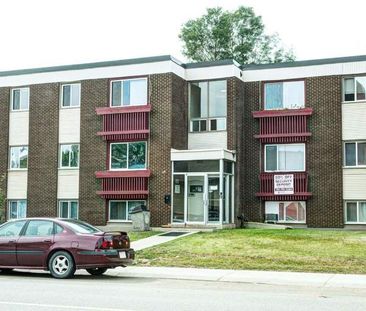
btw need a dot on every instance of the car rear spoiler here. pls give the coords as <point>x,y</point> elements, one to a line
<point>111,233</point>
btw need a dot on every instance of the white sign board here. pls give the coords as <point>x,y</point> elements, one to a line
<point>283,184</point>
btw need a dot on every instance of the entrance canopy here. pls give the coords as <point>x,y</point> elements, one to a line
<point>202,154</point>
<point>202,186</point>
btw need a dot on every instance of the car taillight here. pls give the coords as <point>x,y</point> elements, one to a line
<point>104,244</point>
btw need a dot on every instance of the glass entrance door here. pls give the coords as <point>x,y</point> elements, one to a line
<point>196,198</point>
<point>213,198</point>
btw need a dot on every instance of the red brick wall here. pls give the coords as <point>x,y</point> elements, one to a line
<point>168,129</point>
<point>43,150</point>
<point>324,152</point>
<point>4,149</point>
<point>93,151</point>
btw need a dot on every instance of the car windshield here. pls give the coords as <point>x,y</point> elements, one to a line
<point>80,226</point>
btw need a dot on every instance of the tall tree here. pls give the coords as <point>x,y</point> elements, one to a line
<point>238,35</point>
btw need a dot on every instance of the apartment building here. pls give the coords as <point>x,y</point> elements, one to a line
<point>199,144</point>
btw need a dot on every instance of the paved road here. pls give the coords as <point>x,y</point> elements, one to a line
<point>38,291</point>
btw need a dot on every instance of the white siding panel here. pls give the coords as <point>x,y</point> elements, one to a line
<point>354,121</point>
<point>17,184</point>
<point>209,140</point>
<point>18,128</point>
<point>69,125</point>
<point>68,184</point>
<point>354,184</point>
<point>304,71</point>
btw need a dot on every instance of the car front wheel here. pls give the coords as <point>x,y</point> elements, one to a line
<point>61,265</point>
<point>97,271</point>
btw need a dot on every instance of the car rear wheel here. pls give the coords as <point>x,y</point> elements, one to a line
<point>6,270</point>
<point>61,265</point>
<point>97,271</point>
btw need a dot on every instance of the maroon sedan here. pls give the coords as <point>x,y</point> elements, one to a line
<point>61,246</point>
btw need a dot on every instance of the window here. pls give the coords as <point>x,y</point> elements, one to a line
<point>18,157</point>
<point>20,99</point>
<point>129,92</point>
<point>70,95</point>
<point>285,211</point>
<point>356,212</point>
<point>69,209</point>
<point>39,228</point>
<point>354,89</point>
<point>69,156</point>
<point>120,210</point>
<point>285,158</point>
<point>12,229</point>
<point>17,209</point>
<point>284,95</point>
<point>355,154</point>
<point>80,226</point>
<point>207,105</point>
<point>128,156</point>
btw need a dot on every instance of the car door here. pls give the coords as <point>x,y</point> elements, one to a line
<point>34,243</point>
<point>9,235</point>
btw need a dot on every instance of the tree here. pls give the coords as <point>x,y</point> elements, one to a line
<point>238,35</point>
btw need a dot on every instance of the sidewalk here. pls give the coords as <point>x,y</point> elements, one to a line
<point>158,239</point>
<point>328,280</point>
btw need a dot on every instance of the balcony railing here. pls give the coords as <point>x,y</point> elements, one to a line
<point>125,123</point>
<point>124,184</point>
<point>283,126</point>
<point>300,187</point>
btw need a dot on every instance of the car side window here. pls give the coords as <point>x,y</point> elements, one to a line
<point>12,229</point>
<point>39,228</point>
<point>58,229</point>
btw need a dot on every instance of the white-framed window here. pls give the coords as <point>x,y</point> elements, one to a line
<point>19,99</point>
<point>293,212</point>
<point>70,95</point>
<point>284,158</point>
<point>354,89</point>
<point>120,210</point>
<point>68,209</point>
<point>18,158</point>
<point>128,156</point>
<point>208,106</point>
<point>128,92</point>
<point>355,154</point>
<point>284,95</point>
<point>69,156</point>
<point>17,209</point>
<point>355,212</point>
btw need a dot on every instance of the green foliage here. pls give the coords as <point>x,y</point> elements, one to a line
<point>238,35</point>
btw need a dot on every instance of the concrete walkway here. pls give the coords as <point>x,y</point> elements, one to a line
<point>158,239</point>
<point>327,280</point>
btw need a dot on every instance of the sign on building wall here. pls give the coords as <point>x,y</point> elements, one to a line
<point>284,184</point>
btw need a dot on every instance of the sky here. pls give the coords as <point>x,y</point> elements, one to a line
<point>39,33</point>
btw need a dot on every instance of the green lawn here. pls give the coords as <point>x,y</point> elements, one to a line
<point>134,236</point>
<point>285,250</point>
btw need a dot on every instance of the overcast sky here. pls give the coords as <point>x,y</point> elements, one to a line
<point>37,33</point>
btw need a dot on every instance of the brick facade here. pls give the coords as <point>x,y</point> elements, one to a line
<point>4,149</point>
<point>43,150</point>
<point>166,133</point>
<point>93,151</point>
<point>324,152</point>
<point>235,122</point>
<point>251,149</point>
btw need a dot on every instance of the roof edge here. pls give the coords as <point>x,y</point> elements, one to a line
<point>131,61</point>
<point>301,63</point>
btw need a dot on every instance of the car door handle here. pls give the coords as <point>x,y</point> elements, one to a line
<point>12,241</point>
<point>48,241</point>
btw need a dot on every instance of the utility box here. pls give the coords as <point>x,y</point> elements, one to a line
<point>140,217</point>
